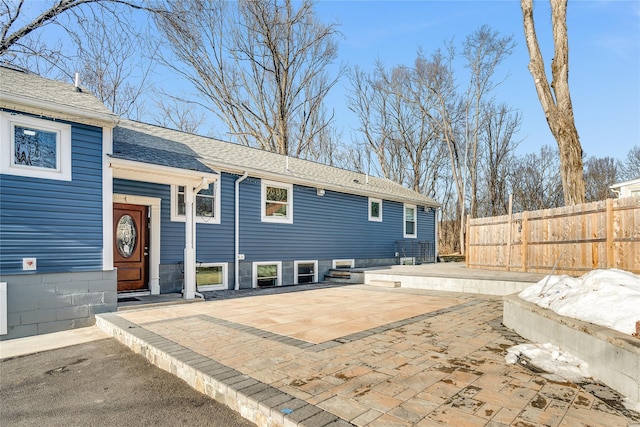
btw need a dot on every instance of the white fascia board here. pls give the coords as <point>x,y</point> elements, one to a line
<point>58,111</point>
<point>625,184</point>
<point>288,179</point>
<point>147,172</point>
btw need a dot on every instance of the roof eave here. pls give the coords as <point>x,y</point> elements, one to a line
<point>58,111</point>
<point>291,179</point>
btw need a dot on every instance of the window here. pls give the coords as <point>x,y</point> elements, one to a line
<point>410,224</point>
<point>267,274</point>
<point>375,209</point>
<point>207,204</point>
<point>34,147</point>
<point>277,202</point>
<point>306,271</point>
<point>343,263</point>
<point>211,276</point>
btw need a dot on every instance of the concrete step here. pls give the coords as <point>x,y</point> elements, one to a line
<point>343,275</point>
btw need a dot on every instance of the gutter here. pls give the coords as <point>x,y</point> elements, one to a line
<point>237,231</point>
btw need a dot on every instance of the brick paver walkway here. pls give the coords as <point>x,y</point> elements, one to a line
<point>375,357</point>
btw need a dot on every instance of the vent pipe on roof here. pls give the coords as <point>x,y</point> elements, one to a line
<point>77,82</point>
<point>287,166</point>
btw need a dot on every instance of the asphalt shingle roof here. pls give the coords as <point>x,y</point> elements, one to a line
<point>58,99</point>
<point>161,146</point>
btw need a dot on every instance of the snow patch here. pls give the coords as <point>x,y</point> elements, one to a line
<point>560,366</point>
<point>608,298</point>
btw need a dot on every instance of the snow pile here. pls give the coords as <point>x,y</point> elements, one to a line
<point>560,366</point>
<point>609,298</point>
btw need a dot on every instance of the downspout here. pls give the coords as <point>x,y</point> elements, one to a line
<point>237,231</point>
<point>435,221</point>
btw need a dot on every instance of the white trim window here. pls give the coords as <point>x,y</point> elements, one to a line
<point>305,272</point>
<point>35,148</point>
<point>267,273</point>
<point>276,202</point>
<point>410,227</point>
<point>375,209</point>
<point>207,204</point>
<point>343,263</point>
<point>212,276</point>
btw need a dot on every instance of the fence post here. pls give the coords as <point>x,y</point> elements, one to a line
<point>525,240</point>
<point>509,232</point>
<point>468,252</point>
<point>610,232</point>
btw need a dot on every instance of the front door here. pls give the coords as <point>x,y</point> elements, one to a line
<point>130,246</point>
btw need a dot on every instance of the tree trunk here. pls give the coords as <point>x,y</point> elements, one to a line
<point>557,106</point>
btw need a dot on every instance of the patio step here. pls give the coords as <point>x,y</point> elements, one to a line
<point>385,283</point>
<point>343,275</point>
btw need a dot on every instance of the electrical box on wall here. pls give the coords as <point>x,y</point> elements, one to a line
<point>28,264</point>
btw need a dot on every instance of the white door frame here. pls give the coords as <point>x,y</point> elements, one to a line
<point>154,234</point>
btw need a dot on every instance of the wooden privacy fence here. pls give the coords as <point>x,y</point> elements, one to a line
<point>574,239</point>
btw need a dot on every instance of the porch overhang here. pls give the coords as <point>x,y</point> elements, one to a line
<point>193,181</point>
<point>147,172</point>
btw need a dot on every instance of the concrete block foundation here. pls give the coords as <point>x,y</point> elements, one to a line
<point>43,303</point>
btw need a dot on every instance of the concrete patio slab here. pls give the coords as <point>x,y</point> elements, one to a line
<point>452,277</point>
<point>359,355</point>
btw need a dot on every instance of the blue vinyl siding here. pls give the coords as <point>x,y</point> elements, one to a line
<point>330,227</point>
<point>214,242</point>
<point>57,222</point>
<point>333,226</point>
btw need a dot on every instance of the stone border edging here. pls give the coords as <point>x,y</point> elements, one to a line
<point>255,401</point>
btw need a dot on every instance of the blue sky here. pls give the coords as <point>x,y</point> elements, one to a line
<point>604,59</point>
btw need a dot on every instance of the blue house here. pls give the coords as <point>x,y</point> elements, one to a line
<point>129,208</point>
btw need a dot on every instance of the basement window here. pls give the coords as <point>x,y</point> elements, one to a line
<point>306,271</point>
<point>266,274</point>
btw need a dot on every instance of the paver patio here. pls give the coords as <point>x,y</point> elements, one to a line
<point>371,356</point>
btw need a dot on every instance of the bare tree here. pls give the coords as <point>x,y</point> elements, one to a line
<point>483,50</point>
<point>599,174</point>
<point>261,67</point>
<point>630,168</point>
<point>98,39</point>
<point>534,181</point>
<point>555,97</point>
<point>15,36</point>
<point>115,59</point>
<point>499,128</point>
<point>177,114</point>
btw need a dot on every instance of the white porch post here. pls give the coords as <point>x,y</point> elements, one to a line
<point>189,245</point>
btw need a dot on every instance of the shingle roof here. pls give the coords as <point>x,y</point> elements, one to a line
<point>34,94</point>
<point>161,146</point>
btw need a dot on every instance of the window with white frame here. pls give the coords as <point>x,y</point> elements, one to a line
<point>35,147</point>
<point>343,263</point>
<point>277,202</point>
<point>375,209</point>
<point>267,274</point>
<point>410,223</point>
<point>207,203</point>
<point>212,276</point>
<point>305,271</point>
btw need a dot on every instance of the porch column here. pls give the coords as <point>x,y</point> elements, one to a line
<point>189,245</point>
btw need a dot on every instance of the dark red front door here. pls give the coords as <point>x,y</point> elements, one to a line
<point>130,246</point>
